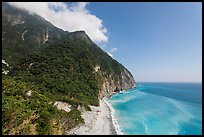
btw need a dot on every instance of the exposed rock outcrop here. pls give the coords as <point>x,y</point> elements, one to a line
<point>15,20</point>
<point>63,106</point>
<point>45,36</point>
<point>4,62</point>
<point>124,81</point>
<point>23,34</point>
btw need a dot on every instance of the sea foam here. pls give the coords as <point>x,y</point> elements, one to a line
<point>114,119</point>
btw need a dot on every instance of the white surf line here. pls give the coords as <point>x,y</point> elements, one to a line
<point>114,120</point>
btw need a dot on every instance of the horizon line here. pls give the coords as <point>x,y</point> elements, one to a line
<point>170,81</point>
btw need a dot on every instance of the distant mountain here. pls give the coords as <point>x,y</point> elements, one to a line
<point>56,65</point>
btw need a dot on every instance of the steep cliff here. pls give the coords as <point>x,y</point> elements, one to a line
<point>124,81</point>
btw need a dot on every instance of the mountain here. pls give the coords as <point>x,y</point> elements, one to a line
<point>23,33</point>
<point>53,65</point>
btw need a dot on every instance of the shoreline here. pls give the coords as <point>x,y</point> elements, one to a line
<point>112,125</point>
<point>115,125</point>
<point>98,121</point>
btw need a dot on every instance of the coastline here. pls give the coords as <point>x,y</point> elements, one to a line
<point>113,129</point>
<point>114,122</point>
<point>98,121</point>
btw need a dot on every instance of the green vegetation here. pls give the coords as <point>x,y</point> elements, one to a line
<point>35,114</point>
<point>64,71</point>
<point>61,69</point>
<point>67,66</point>
<point>64,68</point>
<point>34,28</point>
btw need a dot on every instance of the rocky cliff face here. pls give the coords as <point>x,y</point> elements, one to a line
<point>109,83</point>
<point>124,81</point>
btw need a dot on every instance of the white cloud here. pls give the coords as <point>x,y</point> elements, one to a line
<point>69,17</point>
<point>113,50</point>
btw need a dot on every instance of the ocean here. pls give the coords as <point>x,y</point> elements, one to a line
<point>159,109</point>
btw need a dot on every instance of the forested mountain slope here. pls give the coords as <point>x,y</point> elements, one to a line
<point>43,64</point>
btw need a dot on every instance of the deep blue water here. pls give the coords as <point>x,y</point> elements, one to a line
<point>159,108</point>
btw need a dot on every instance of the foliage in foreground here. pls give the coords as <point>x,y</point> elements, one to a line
<point>35,114</point>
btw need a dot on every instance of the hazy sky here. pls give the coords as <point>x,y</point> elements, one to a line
<point>155,41</point>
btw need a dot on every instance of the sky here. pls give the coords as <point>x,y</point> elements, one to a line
<point>156,42</point>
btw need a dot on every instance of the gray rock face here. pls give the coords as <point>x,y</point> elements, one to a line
<point>123,82</point>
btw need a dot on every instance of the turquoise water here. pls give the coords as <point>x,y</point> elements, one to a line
<point>159,108</point>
